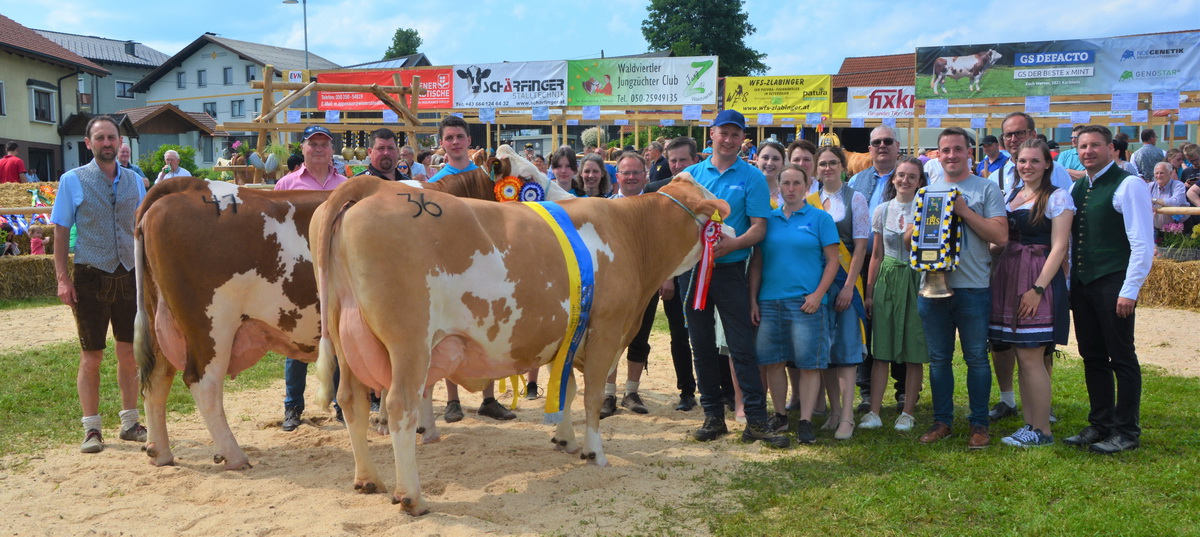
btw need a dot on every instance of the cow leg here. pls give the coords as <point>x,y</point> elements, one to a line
<point>209,393</point>
<point>402,401</point>
<point>427,427</point>
<point>356,409</point>
<point>564,433</point>
<point>381,421</point>
<point>155,398</point>
<point>595,373</point>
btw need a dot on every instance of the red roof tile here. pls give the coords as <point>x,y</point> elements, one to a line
<point>887,70</point>
<point>26,42</point>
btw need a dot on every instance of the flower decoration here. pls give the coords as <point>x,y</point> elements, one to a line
<point>533,192</point>
<point>508,189</point>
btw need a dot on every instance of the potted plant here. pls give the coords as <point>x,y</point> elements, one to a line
<point>1178,245</point>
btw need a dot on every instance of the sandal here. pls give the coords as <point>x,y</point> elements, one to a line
<point>839,436</point>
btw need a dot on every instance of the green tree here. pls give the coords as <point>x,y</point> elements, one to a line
<point>405,42</point>
<point>705,28</point>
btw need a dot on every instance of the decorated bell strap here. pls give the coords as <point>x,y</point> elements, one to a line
<point>710,234</point>
<point>935,231</point>
<point>581,283</point>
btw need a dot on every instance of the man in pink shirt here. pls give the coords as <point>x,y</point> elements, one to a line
<point>317,173</point>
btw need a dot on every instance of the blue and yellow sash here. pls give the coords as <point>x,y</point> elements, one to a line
<point>581,276</point>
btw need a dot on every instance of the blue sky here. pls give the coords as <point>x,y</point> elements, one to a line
<point>798,36</point>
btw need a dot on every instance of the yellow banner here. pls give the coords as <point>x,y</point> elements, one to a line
<point>778,94</point>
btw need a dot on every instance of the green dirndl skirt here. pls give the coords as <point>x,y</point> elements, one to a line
<point>898,335</point>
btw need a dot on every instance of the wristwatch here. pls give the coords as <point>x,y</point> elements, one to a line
<point>1039,290</point>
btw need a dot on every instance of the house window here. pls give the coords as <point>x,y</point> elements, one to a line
<point>202,78</point>
<point>43,105</point>
<point>239,108</point>
<point>124,89</point>
<point>211,110</point>
<point>3,105</point>
<point>181,80</point>
<point>257,106</point>
<point>250,73</point>
<point>206,148</point>
<point>228,76</point>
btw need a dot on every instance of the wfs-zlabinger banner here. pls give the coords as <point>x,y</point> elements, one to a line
<point>783,95</point>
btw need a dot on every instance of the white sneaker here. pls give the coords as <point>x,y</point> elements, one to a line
<point>870,420</point>
<point>905,422</point>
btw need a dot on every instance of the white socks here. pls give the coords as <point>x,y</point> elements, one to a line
<point>91,422</point>
<point>129,418</point>
<point>631,386</point>
<point>610,389</point>
<point>1009,399</point>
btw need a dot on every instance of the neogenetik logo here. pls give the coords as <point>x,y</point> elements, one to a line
<point>1152,54</point>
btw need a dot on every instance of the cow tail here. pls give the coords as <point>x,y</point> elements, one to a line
<point>326,354</point>
<point>143,341</point>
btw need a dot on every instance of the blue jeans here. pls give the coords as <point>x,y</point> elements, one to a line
<point>968,312</point>
<point>728,295</point>
<point>295,378</point>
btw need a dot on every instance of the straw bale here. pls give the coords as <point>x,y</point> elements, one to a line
<point>1172,284</point>
<point>27,276</point>
<point>17,194</point>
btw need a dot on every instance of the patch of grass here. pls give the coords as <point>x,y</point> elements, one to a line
<point>27,303</point>
<point>39,405</point>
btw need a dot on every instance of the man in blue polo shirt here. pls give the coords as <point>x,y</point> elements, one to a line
<point>455,136</point>
<point>745,188</point>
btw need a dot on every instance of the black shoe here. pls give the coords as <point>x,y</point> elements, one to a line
<point>730,403</point>
<point>609,407</point>
<point>686,403</point>
<point>1115,444</point>
<point>863,407</point>
<point>374,403</point>
<point>135,433</point>
<point>777,423</point>
<point>291,418</point>
<point>1000,411</point>
<point>1088,436</point>
<point>531,391</point>
<point>633,402</point>
<point>804,432</point>
<point>760,431</point>
<point>453,411</point>
<point>337,414</point>
<point>493,409</point>
<point>713,428</point>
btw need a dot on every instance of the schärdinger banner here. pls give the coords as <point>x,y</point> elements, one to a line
<point>1138,64</point>
<point>785,95</point>
<point>887,101</point>
<point>510,85</point>
<point>642,81</point>
<point>439,89</point>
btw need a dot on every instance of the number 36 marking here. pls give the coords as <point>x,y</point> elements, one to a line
<point>423,206</point>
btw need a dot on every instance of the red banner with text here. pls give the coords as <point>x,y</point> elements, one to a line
<point>438,84</point>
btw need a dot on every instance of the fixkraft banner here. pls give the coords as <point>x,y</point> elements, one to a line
<point>510,85</point>
<point>1139,64</point>
<point>877,102</point>
<point>438,84</point>
<point>642,81</point>
<point>778,94</point>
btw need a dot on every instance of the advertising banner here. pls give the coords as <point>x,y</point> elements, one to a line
<point>438,86</point>
<point>886,101</point>
<point>1135,64</point>
<point>510,85</point>
<point>642,81</point>
<point>783,95</point>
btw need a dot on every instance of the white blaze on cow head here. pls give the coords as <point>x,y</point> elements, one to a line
<point>526,170</point>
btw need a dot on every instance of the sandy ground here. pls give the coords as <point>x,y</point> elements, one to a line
<point>484,477</point>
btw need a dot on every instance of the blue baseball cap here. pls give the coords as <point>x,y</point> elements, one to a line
<point>730,117</point>
<point>315,130</point>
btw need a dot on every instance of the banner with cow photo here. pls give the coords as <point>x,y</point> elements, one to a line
<point>781,95</point>
<point>1137,64</point>
<point>643,81</point>
<point>510,85</point>
<point>439,89</point>
<point>887,101</point>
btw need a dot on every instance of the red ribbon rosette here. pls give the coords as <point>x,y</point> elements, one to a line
<point>508,189</point>
<point>710,234</point>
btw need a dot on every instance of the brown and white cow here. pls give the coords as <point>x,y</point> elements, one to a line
<point>956,67</point>
<point>225,274</point>
<point>473,291</point>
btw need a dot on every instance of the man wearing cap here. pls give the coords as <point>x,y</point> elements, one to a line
<point>993,158</point>
<point>383,155</point>
<point>316,173</point>
<point>745,189</point>
<point>455,135</point>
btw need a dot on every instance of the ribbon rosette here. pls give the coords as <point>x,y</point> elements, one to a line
<point>710,235</point>
<point>508,189</point>
<point>533,192</point>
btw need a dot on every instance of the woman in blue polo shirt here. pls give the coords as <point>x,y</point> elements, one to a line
<point>791,271</point>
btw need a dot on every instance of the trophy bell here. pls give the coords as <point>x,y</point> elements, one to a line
<point>933,285</point>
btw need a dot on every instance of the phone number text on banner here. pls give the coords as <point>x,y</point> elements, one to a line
<point>642,81</point>
<point>507,85</point>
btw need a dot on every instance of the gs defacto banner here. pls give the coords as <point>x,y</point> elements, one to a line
<point>510,85</point>
<point>1139,64</point>
<point>778,94</point>
<point>642,81</point>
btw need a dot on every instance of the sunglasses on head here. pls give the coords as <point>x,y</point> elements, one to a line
<point>882,141</point>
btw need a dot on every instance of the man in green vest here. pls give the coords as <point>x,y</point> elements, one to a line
<point>1112,240</point>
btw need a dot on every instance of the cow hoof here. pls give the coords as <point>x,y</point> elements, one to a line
<point>430,439</point>
<point>413,506</point>
<point>218,458</point>
<point>151,450</point>
<point>237,466</point>
<point>367,488</point>
<point>591,456</point>
<point>420,430</point>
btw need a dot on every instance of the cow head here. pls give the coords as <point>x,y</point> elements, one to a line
<point>991,57</point>
<point>512,163</point>
<point>476,78</point>
<point>702,203</point>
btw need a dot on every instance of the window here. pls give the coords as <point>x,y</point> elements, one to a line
<point>239,108</point>
<point>3,105</point>
<point>201,78</point>
<point>181,80</point>
<point>211,110</point>
<point>250,73</point>
<point>206,148</point>
<point>124,89</point>
<point>257,106</point>
<point>43,105</point>
<point>228,71</point>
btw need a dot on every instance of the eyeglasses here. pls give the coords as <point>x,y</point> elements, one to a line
<point>829,163</point>
<point>1015,134</point>
<point>882,141</point>
<point>403,167</point>
<point>633,173</point>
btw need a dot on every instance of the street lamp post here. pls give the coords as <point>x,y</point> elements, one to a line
<point>304,6</point>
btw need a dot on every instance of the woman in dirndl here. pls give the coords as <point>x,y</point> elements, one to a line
<point>1030,306</point>
<point>891,295</point>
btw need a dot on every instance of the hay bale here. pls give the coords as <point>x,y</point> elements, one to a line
<point>22,240</point>
<point>1172,284</point>
<point>27,276</point>
<point>17,194</point>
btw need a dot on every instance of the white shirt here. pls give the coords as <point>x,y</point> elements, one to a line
<point>1058,177</point>
<point>1132,200</point>
<point>935,173</point>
